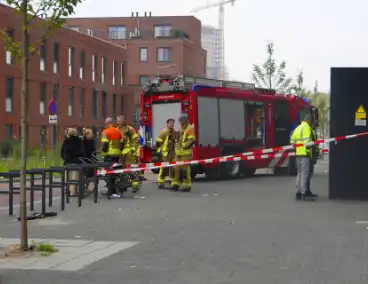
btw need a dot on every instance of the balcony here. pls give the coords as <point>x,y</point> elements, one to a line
<point>131,34</point>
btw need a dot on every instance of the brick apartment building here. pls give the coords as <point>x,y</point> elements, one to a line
<point>83,74</point>
<point>154,45</point>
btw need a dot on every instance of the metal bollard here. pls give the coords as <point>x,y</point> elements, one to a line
<point>95,188</point>
<point>62,191</point>
<point>51,180</point>
<point>31,198</point>
<point>81,186</point>
<point>11,196</point>
<point>43,192</point>
<point>66,189</point>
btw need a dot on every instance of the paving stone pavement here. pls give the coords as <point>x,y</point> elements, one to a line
<point>72,255</point>
<point>238,231</point>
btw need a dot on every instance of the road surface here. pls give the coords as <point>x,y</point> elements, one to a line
<point>238,231</point>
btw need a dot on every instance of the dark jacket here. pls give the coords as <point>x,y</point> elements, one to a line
<point>89,148</point>
<point>72,149</point>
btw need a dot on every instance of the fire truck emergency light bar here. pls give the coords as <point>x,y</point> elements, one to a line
<point>183,83</point>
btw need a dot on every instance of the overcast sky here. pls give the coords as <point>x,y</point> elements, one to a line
<point>310,35</point>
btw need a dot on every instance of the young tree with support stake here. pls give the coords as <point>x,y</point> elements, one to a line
<point>29,13</point>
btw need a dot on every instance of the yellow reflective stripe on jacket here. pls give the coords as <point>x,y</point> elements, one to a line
<point>127,150</point>
<point>185,139</point>
<point>165,147</point>
<point>104,140</point>
<point>163,138</point>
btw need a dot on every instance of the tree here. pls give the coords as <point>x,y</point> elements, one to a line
<point>298,87</point>
<point>322,102</point>
<point>29,13</point>
<point>270,75</point>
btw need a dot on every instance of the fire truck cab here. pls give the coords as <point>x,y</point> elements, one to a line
<point>228,118</point>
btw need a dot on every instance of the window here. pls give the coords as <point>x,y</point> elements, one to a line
<point>94,67</point>
<point>9,132</point>
<point>90,32</point>
<point>114,105</point>
<point>122,104</point>
<point>143,54</point>
<point>94,104</point>
<point>163,54</point>
<point>43,56</point>
<point>81,102</point>
<point>82,63</point>
<point>70,61</point>
<point>103,69</point>
<point>70,101</point>
<point>162,31</point>
<point>55,67</point>
<point>255,123</point>
<point>113,72</point>
<point>8,54</point>
<point>143,80</point>
<point>121,74</point>
<point>9,94</point>
<point>43,98</point>
<point>43,136</point>
<point>116,32</point>
<point>55,92</point>
<point>104,105</point>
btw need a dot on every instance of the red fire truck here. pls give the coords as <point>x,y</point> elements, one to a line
<point>228,118</point>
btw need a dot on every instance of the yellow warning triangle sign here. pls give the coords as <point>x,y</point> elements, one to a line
<point>361,109</point>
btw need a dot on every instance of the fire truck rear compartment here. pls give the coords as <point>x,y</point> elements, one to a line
<point>161,112</point>
<point>221,125</point>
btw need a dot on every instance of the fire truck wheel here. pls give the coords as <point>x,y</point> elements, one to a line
<point>281,171</point>
<point>249,172</point>
<point>231,169</point>
<point>212,174</point>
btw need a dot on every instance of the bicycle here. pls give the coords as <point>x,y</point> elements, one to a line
<point>121,181</point>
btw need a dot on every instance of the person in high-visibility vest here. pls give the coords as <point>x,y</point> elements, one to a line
<point>315,155</point>
<point>111,142</point>
<point>301,135</point>
<point>111,146</point>
<point>166,146</point>
<point>183,152</point>
<point>130,146</point>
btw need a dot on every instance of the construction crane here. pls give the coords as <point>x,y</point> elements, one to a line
<point>221,27</point>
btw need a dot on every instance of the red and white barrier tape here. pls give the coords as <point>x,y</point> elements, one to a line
<point>253,155</point>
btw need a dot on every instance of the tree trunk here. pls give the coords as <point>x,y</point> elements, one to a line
<point>23,127</point>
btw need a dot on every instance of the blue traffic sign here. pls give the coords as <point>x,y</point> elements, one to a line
<point>52,107</point>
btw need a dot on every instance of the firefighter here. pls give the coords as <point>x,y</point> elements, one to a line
<point>130,146</point>
<point>110,142</point>
<point>301,135</point>
<point>111,145</point>
<point>183,152</point>
<point>166,146</point>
